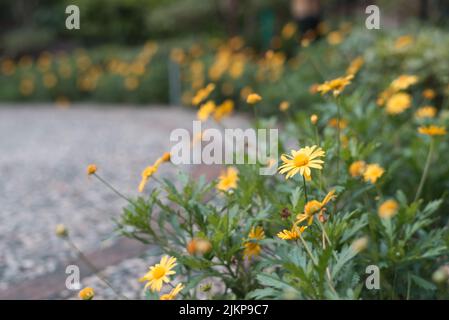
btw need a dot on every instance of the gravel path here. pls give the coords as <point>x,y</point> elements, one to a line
<point>44,154</point>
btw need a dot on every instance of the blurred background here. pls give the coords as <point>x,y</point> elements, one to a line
<point>122,51</point>
<point>111,92</point>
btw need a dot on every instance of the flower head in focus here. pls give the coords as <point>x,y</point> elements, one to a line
<point>158,274</point>
<point>302,161</point>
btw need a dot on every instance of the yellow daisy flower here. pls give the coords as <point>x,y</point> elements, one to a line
<point>228,180</point>
<point>355,65</point>
<point>429,94</point>
<point>91,169</point>
<point>398,103</point>
<point>292,234</point>
<point>301,161</point>
<point>388,209</point>
<point>284,106</point>
<point>158,274</point>
<point>206,110</point>
<point>426,112</point>
<point>357,168</point>
<point>252,248</point>
<point>432,130</point>
<point>223,110</point>
<point>253,98</point>
<point>202,94</point>
<point>336,85</point>
<point>146,175</point>
<point>403,82</point>
<point>313,207</point>
<point>173,293</point>
<point>373,172</point>
<point>87,293</point>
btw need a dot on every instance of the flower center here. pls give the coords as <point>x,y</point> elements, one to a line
<point>158,272</point>
<point>312,207</point>
<point>300,160</point>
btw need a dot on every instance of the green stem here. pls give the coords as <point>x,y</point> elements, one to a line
<point>338,138</point>
<point>94,269</point>
<point>305,188</point>
<point>107,184</point>
<point>425,171</point>
<point>308,250</point>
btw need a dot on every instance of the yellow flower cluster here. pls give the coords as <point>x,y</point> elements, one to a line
<point>369,172</point>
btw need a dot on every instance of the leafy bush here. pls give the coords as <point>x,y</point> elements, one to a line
<point>366,191</point>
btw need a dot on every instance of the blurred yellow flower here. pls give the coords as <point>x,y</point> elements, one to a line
<point>292,234</point>
<point>206,110</point>
<point>360,244</point>
<point>334,123</point>
<point>91,169</point>
<point>86,294</point>
<point>49,80</point>
<point>228,179</point>
<point>158,274</point>
<point>314,207</point>
<point>253,98</point>
<point>357,168</point>
<point>398,103</point>
<point>173,293</point>
<point>8,67</point>
<point>432,130</point>
<point>146,174</point>
<point>301,161</point>
<point>426,112</point>
<point>334,38</point>
<point>313,118</point>
<point>198,245</point>
<point>224,110</point>
<point>202,94</point>
<point>252,247</point>
<point>26,86</point>
<point>289,30</point>
<point>61,230</point>
<point>388,209</point>
<point>284,106</point>
<point>355,65</point>
<point>373,172</point>
<point>131,83</point>
<point>403,41</point>
<point>429,94</point>
<point>403,82</point>
<point>336,85</point>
